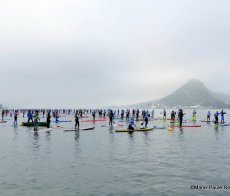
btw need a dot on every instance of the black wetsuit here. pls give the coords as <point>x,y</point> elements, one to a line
<point>3,114</point>
<point>48,119</point>
<point>111,118</point>
<point>180,116</point>
<point>76,122</point>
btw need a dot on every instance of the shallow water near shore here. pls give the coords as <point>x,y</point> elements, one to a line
<point>103,162</point>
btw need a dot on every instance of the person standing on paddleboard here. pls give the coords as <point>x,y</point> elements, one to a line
<point>94,114</point>
<point>180,116</point>
<point>48,119</point>
<point>30,116</point>
<point>127,115</point>
<point>77,121</point>
<point>131,124</point>
<point>15,117</point>
<point>137,114</point>
<point>146,119</point>
<point>110,117</point>
<point>3,114</point>
<point>122,114</point>
<point>216,115</point>
<point>36,118</point>
<point>194,115</point>
<point>208,116</point>
<point>164,115</point>
<point>173,116</point>
<point>104,113</point>
<point>153,114</point>
<point>222,113</point>
<point>57,115</point>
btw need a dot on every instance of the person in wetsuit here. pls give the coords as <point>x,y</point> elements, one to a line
<point>222,113</point>
<point>173,116</point>
<point>36,119</point>
<point>3,114</point>
<point>164,115</point>
<point>180,116</point>
<point>15,117</point>
<point>30,116</point>
<point>146,119</point>
<point>208,116</point>
<point>94,114</point>
<point>111,117</point>
<point>216,115</point>
<point>48,119</point>
<point>131,124</point>
<point>76,121</point>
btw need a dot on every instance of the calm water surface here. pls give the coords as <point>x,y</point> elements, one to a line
<point>102,162</point>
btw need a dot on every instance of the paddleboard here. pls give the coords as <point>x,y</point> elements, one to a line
<point>83,129</point>
<point>159,127</point>
<point>144,129</point>
<point>99,120</point>
<point>87,128</point>
<point>61,121</point>
<point>186,126</point>
<point>138,129</point>
<point>125,130</point>
<point>71,130</point>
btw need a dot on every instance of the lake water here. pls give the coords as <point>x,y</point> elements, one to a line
<point>103,162</point>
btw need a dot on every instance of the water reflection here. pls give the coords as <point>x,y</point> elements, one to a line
<point>131,136</point>
<point>111,128</point>
<point>36,145</point>
<point>48,136</point>
<point>15,133</point>
<point>76,136</point>
<point>112,135</point>
<point>77,149</point>
<point>146,134</point>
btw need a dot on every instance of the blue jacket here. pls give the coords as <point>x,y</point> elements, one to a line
<point>30,115</point>
<point>131,122</point>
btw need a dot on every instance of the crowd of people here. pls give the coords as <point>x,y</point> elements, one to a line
<point>129,115</point>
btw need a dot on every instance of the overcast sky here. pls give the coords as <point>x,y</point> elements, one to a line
<point>94,53</point>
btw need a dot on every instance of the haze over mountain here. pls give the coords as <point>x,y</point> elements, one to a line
<point>192,94</point>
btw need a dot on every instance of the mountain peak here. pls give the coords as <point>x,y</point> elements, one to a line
<point>192,93</point>
<point>194,80</point>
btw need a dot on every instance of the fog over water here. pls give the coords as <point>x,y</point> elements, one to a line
<point>98,53</point>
